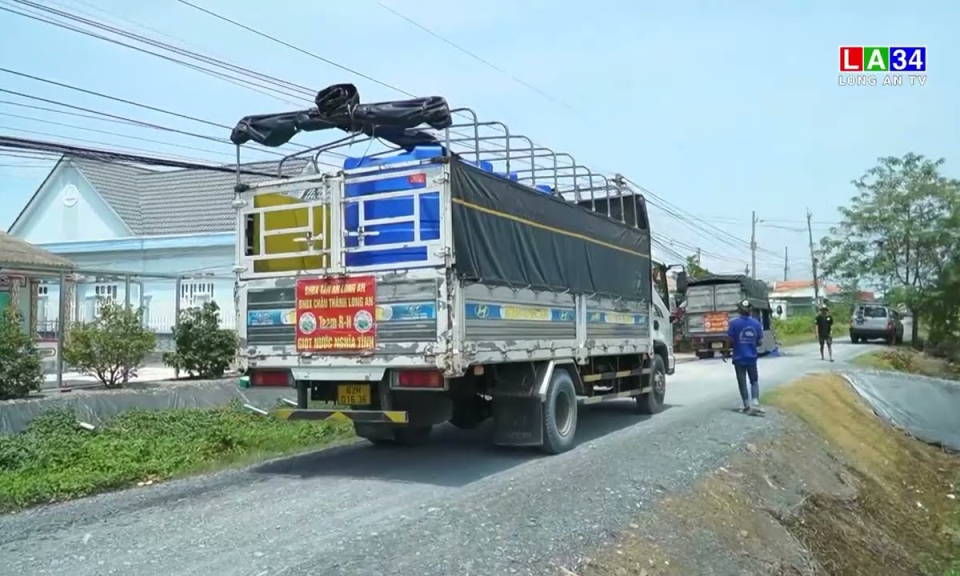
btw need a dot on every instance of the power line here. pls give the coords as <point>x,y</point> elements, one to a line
<point>282,84</point>
<point>207,71</point>
<point>477,58</point>
<point>86,141</point>
<point>13,144</point>
<point>117,134</point>
<point>133,120</point>
<point>297,48</point>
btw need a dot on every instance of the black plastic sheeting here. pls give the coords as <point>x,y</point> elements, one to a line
<point>338,106</point>
<point>754,288</point>
<point>506,233</point>
<point>927,408</point>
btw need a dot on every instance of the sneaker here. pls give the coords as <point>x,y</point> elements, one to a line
<point>745,409</point>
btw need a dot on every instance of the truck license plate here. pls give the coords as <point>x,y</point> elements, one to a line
<point>717,345</point>
<point>353,394</point>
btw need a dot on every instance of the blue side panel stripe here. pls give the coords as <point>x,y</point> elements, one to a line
<point>385,313</point>
<point>485,311</point>
<point>474,311</point>
<point>608,317</point>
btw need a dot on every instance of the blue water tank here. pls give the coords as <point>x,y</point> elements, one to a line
<point>397,207</point>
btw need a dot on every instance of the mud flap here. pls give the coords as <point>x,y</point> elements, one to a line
<point>517,421</point>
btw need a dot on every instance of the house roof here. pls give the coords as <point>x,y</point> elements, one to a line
<point>791,285</point>
<point>158,202</point>
<point>15,252</point>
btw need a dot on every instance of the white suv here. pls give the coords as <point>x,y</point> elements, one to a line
<point>875,322</point>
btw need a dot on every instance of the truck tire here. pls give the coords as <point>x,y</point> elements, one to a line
<point>705,355</point>
<point>652,401</point>
<point>559,414</point>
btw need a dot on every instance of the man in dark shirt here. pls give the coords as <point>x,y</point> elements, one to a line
<point>824,325</point>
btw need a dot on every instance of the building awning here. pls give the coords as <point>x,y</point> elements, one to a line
<point>19,254</point>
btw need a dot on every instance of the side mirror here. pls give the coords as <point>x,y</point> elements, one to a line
<point>682,281</point>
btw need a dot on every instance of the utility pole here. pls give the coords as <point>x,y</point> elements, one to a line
<point>786,264</point>
<point>753,243</point>
<point>813,259</point>
<point>698,257</point>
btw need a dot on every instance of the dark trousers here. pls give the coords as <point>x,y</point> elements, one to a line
<point>745,371</point>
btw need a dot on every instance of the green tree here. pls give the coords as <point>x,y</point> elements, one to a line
<point>20,369</point>
<point>694,269</point>
<point>111,347</point>
<point>893,233</point>
<point>203,348</point>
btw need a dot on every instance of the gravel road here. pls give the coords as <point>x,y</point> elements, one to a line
<point>457,506</point>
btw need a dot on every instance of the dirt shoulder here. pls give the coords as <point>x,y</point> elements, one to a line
<point>837,492</point>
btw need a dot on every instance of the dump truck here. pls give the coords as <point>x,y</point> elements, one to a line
<point>458,278</point>
<point>713,300</point>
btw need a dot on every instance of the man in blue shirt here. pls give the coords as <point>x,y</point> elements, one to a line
<point>746,334</point>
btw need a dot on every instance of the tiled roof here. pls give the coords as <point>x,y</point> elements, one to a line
<point>790,285</point>
<point>158,202</point>
<point>16,252</point>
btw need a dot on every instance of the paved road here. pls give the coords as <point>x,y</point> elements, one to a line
<point>455,507</point>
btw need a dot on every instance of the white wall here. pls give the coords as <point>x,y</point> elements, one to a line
<point>67,208</point>
<point>159,295</point>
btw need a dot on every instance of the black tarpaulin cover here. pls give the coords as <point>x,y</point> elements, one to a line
<point>925,407</point>
<point>338,106</point>
<point>506,233</point>
<point>754,288</point>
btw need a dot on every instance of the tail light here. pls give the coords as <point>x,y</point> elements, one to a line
<point>270,378</point>
<point>420,379</point>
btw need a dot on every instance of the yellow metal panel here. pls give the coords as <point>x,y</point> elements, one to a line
<point>286,243</point>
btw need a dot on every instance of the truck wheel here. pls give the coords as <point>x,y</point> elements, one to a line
<point>652,401</point>
<point>854,339</point>
<point>559,414</point>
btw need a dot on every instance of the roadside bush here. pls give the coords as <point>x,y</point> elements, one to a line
<point>111,347</point>
<point>203,348</point>
<point>20,369</point>
<point>794,325</point>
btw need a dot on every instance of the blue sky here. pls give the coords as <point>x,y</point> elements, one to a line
<point>719,108</point>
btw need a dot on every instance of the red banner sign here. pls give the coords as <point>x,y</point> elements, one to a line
<point>716,321</point>
<point>336,314</point>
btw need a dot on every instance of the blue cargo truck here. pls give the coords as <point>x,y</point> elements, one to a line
<point>457,277</point>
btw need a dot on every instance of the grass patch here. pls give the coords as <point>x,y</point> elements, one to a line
<point>902,521</point>
<point>55,460</point>
<point>907,360</point>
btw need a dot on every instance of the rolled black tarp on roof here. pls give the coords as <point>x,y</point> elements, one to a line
<point>338,106</point>
<point>754,288</point>
<point>506,233</point>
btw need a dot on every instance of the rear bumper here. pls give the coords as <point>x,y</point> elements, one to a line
<point>870,334</point>
<point>707,342</point>
<point>365,416</point>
